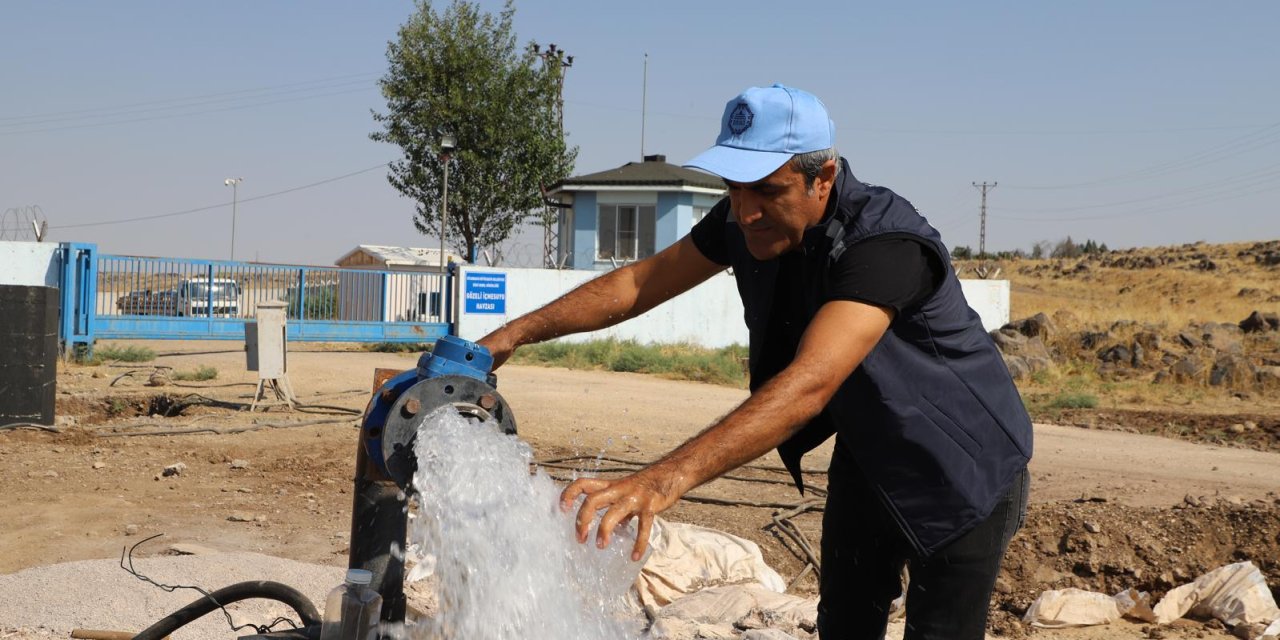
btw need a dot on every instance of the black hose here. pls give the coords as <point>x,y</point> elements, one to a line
<point>226,595</point>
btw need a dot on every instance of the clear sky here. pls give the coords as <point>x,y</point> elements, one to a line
<point>1135,123</point>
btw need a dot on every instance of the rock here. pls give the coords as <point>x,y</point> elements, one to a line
<point>1116,353</point>
<point>1268,377</point>
<point>1139,358</point>
<point>1090,340</point>
<point>131,530</point>
<point>1193,501</point>
<point>174,469</point>
<point>1148,340</point>
<point>1222,336</point>
<point>65,421</point>
<point>1092,527</point>
<point>1189,340</point>
<point>239,464</point>
<point>1250,425</point>
<point>1188,369</point>
<point>1008,340</point>
<point>1237,428</point>
<point>240,517</point>
<point>1259,322</point>
<point>1249,631</point>
<point>1037,326</point>
<point>190,549</point>
<point>1233,371</point>
<point>99,465</point>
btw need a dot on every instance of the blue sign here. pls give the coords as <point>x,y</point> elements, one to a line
<point>485,292</point>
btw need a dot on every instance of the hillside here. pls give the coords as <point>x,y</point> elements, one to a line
<point>1183,340</point>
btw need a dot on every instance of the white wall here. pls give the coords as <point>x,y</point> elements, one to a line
<point>709,315</point>
<point>30,264</point>
<point>990,298</point>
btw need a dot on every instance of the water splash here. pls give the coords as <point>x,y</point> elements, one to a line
<point>505,558</point>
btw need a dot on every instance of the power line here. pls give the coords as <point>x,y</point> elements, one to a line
<point>956,132</point>
<point>1266,174</point>
<point>220,205</point>
<point>1158,209</point>
<point>1263,137</point>
<point>196,98</point>
<point>183,115</point>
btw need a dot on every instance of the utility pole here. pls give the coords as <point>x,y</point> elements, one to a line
<point>644,102</point>
<point>982,233</point>
<point>562,62</point>
<point>234,183</point>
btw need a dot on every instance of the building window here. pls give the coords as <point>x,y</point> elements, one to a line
<point>699,213</point>
<point>626,232</point>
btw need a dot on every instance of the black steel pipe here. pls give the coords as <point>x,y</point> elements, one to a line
<point>379,522</point>
<point>234,593</point>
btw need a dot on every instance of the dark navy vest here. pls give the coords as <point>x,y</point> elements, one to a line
<point>931,417</point>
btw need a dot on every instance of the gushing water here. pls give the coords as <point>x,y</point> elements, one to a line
<point>505,557</point>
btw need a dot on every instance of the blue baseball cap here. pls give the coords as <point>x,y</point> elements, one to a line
<point>762,128</point>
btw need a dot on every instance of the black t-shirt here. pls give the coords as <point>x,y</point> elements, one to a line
<point>895,271</point>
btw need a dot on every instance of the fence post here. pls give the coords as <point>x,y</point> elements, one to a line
<point>302,298</point>
<point>79,293</point>
<point>450,281</point>
<point>383,300</point>
<point>209,296</point>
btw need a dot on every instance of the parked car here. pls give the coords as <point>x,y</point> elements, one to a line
<point>146,302</point>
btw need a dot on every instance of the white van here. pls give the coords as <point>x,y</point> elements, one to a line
<point>193,296</point>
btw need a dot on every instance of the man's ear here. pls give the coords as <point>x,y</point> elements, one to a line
<point>826,178</point>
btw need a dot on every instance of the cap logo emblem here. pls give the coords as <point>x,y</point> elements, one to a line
<point>740,119</point>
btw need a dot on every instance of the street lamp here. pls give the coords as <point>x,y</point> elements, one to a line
<point>447,144</point>
<point>234,183</point>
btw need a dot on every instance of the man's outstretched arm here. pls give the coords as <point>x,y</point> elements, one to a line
<point>619,295</point>
<point>835,343</point>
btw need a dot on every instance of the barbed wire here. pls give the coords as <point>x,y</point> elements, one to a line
<point>23,224</point>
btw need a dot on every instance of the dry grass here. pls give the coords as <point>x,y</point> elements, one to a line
<point>1172,295</point>
<point>1120,292</point>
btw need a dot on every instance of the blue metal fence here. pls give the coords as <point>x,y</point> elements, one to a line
<point>110,296</point>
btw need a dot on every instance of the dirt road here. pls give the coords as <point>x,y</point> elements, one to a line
<point>74,495</point>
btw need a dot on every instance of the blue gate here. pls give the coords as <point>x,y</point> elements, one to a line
<point>131,297</point>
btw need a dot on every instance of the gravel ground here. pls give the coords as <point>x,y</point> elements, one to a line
<point>50,601</point>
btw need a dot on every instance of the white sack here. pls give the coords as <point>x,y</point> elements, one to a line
<point>766,634</point>
<point>746,607</point>
<point>687,558</point>
<point>1235,594</point>
<point>677,629</point>
<point>1272,631</point>
<point>1063,608</point>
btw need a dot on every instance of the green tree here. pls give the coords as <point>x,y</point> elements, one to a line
<point>962,252</point>
<point>461,72</point>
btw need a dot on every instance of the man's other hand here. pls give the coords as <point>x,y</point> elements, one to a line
<point>638,496</point>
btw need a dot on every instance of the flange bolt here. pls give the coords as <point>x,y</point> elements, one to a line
<point>411,407</point>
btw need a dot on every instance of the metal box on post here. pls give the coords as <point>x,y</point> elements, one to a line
<point>266,351</point>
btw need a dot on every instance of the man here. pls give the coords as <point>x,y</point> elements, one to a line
<point>858,328</point>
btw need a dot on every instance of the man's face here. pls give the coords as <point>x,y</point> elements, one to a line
<point>773,212</point>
